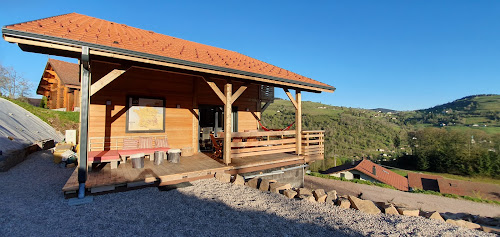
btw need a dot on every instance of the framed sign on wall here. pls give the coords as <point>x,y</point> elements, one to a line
<point>145,114</point>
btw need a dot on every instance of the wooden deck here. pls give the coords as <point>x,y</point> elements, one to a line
<point>190,168</point>
<point>107,179</point>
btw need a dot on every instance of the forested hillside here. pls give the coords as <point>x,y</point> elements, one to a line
<point>461,137</point>
<point>348,132</point>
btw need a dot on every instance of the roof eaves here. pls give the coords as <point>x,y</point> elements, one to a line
<point>24,34</point>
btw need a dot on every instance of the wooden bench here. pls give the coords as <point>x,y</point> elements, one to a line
<point>118,149</point>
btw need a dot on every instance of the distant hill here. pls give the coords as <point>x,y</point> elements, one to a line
<point>476,111</point>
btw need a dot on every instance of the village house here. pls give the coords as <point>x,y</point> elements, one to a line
<point>143,93</point>
<point>369,171</point>
<point>60,85</point>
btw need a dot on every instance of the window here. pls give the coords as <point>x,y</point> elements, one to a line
<point>356,176</point>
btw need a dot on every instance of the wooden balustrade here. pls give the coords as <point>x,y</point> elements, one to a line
<point>313,143</point>
<point>262,143</point>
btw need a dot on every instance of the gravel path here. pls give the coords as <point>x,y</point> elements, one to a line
<point>33,206</point>
<point>424,202</point>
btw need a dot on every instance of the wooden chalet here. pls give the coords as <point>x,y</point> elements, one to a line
<point>60,84</point>
<point>200,95</point>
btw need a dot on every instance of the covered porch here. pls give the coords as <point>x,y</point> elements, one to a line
<point>155,85</point>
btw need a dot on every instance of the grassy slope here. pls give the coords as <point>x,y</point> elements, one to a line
<point>59,120</point>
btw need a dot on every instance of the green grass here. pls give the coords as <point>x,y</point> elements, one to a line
<point>325,176</point>
<point>60,120</point>
<point>474,199</point>
<point>400,172</point>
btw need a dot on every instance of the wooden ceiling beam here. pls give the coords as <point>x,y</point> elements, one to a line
<point>105,80</point>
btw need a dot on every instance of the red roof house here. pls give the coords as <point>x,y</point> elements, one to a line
<point>367,170</point>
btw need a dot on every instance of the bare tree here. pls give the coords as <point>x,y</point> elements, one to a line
<point>12,84</point>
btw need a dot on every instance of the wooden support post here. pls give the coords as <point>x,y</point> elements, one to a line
<point>228,90</point>
<point>298,121</point>
<point>84,114</point>
<point>196,116</point>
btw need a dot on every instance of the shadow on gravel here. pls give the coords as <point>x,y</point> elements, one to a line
<point>36,207</point>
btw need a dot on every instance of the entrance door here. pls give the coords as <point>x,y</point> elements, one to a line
<point>212,122</point>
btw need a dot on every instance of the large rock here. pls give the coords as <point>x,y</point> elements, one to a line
<point>223,177</point>
<point>462,223</point>
<point>289,193</point>
<point>491,229</point>
<point>433,215</point>
<point>344,203</point>
<point>319,195</point>
<point>408,211</point>
<point>253,183</point>
<point>388,208</point>
<point>365,206</point>
<point>264,184</point>
<point>277,187</point>
<point>239,180</point>
<point>309,198</point>
<point>304,191</point>
<point>331,197</point>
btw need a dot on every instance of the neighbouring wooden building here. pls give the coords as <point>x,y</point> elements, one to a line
<point>60,84</point>
<point>145,90</point>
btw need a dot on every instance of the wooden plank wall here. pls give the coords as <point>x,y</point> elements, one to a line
<point>109,121</point>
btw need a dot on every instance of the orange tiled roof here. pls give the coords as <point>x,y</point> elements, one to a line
<point>381,174</point>
<point>67,72</point>
<point>87,29</point>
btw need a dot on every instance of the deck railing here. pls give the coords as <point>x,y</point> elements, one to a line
<point>262,143</point>
<point>313,143</point>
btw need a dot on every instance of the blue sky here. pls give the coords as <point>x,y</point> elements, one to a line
<point>400,55</point>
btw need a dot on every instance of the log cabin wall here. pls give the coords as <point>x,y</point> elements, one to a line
<point>181,124</point>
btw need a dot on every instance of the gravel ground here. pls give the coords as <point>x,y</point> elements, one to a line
<point>33,206</point>
<point>420,201</point>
